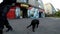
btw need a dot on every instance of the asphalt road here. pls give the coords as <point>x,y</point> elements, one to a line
<point>48,25</point>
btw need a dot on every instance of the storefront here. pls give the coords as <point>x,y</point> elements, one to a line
<point>21,10</point>
<point>41,13</point>
<point>17,12</point>
<point>33,12</point>
<point>11,13</point>
<point>27,11</point>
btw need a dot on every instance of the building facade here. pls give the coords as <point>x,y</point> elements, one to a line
<point>33,3</point>
<point>39,4</point>
<point>22,1</point>
<point>28,9</point>
<point>49,9</point>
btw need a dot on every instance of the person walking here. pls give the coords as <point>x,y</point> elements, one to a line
<point>4,8</point>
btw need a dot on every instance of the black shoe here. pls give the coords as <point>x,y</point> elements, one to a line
<point>9,29</point>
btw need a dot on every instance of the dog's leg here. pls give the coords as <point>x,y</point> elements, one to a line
<point>33,28</point>
<point>37,25</point>
<point>28,26</point>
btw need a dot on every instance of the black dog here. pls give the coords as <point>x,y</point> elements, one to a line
<point>34,23</point>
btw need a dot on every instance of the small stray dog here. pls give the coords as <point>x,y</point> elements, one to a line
<point>34,23</point>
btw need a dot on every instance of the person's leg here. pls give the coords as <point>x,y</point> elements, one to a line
<point>6,23</point>
<point>1,25</point>
<point>1,28</point>
<point>1,31</point>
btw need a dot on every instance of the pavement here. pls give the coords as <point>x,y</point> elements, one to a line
<point>48,25</point>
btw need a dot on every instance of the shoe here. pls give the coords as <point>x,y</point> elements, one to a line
<point>9,29</point>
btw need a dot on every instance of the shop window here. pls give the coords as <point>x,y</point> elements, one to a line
<point>17,12</point>
<point>23,1</point>
<point>33,13</point>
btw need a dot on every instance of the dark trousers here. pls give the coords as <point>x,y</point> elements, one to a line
<point>1,25</point>
<point>1,31</point>
<point>6,23</point>
<point>5,11</point>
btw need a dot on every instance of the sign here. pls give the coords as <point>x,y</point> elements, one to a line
<point>24,5</point>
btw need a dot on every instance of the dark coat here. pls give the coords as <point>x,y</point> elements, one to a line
<point>1,21</point>
<point>9,1</point>
<point>3,17</point>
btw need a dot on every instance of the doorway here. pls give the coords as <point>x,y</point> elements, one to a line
<point>24,12</point>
